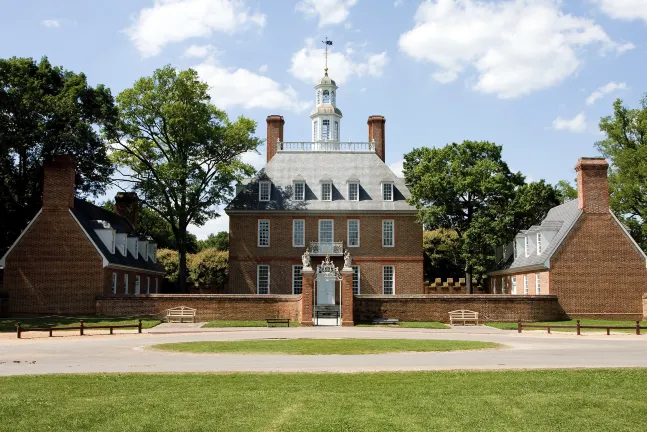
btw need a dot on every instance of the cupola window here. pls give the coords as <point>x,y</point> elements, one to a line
<point>336,131</point>
<point>326,96</point>
<point>332,97</point>
<point>325,129</point>
<point>318,97</point>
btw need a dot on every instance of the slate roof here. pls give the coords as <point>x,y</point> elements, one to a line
<point>313,167</point>
<point>87,214</point>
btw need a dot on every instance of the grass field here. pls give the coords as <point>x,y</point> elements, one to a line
<point>408,324</point>
<point>513,325</point>
<point>324,346</point>
<point>9,324</point>
<point>520,401</point>
<point>226,323</point>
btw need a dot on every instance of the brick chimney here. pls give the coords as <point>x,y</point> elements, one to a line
<point>592,185</point>
<point>274,132</point>
<point>376,132</point>
<point>58,183</point>
<point>127,206</point>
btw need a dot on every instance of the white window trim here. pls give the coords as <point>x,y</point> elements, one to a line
<point>260,190</point>
<point>359,224</point>
<point>304,190</point>
<point>258,233</point>
<point>494,286</point>
<point>322,191</point>
<point>390,184</point>
<point>393,267</point>
<point>348,191</point>
<point>526,246</point>
<point>294,280</point>
<point>303,238</point>
<point>258,276</point>
<point>359,278</point>
<point>393,232</point>
<point>514,285</point>
<point>125,283</point>
<point>115,279</point>
<point>319,229</point>
<point>539,245</point>
<point>525,284</point>
<point>537,284</point>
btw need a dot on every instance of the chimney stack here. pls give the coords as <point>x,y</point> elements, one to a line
<point>274,133</point>
<point>592,185</point>
<point>376,132</point>
<point>58,183</point>
<point>127,206</point>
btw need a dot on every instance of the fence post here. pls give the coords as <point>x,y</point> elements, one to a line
<point>18,330</point>
<point>519,325</point>
<point>548,329</point>
<point>111,327</point>
<point>51,331</point>
<point>638,328</point>
<point>139,326</point>
<point>81,328</point>
<point>578,327</point>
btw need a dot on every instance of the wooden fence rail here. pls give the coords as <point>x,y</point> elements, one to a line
<point>82,327</point>
<point>578,327</point>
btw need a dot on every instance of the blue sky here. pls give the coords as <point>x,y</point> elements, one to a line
<point>532,75</point>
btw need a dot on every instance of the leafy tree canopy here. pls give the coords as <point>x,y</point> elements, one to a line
<point>566,191</point>
<point>218,241</point>
<point>442,255</point>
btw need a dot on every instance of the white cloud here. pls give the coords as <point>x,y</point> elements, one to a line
<point>397,3</point>
<point>307,64</point>
<point>241,87</point>
<point>257,160</point>
<point>199,51</point>
<point>605,89</point>
<point>576,124</point>
<point>212,226</point>
<point>363,89</point>
<point>624,9</point>
<point>515,46</point>
<point>51,23</point>
<point>171,21</point>
<point>329,11</point>
<point>263,68</point>
<point>398,168</point>
<point>625,47</point>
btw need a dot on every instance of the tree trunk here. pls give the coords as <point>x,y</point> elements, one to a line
<point>181,248</point>
<point>468,280</point>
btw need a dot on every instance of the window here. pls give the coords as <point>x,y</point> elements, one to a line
<point>137,286</point>
<point>264,188</point>
<point>326,96</point>
<point>526,246</point>
<point>514,285</point>
<point>332,97</point>
<point>356,275</point>
<point>126,283</point>
<point>494,286</point>
<point>112,244</point>
<point>387,233</point>
<point>298,232</point>
<point>326,191</point>
<point>353,191</point>
<point>388,277</point>
<point>157,285</point>
<point>514,248</point>
<point>314,129</point>
<point>263,279</point>
<point>114,283</point>
<point>538,243</point>
<point>387,191</point>
<point>525,284</point>
<point>297,280</point>
<point>318,97</point>
<point>336,131</point>
<point>136,248</point>
<point>148,285</point>
<point>537,284</point>
<point>326,230</point>
<point>353,233</point>
<point>325,129</point>
<point>505,252</point>
<point>299,191</point>
<point>263,233</point>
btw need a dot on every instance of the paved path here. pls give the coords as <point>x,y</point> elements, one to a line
<point>132,353</point>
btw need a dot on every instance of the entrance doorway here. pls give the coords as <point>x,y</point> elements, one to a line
<point>325,290</point>
<point>327,310</point>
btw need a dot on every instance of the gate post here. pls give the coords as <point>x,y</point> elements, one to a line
<point>347,297</point>
<point>307,288</point>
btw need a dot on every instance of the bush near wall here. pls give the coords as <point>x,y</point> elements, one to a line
<point>207,269</point>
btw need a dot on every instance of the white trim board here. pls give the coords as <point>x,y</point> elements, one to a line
<point>105,260</point>
<point>2,260</point>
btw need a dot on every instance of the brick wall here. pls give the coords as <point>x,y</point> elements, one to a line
<point>209,306</point>
<point>436,307</point>
<point>4,305</point>
<point>274,132</point>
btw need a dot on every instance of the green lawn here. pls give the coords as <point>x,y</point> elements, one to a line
<point>9,324</point>
<point>520,401</point>
<point>231,323</point>
<point>513,325</point>
<point>325,346</point>
<point>408,324</point>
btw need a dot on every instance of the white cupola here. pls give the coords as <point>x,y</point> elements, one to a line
<point>326,116</point>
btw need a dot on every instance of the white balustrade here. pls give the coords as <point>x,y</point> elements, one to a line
<point>325,146</point>
<point>326,248</point>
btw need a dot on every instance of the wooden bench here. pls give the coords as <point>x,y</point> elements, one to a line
<point>180,312</point>
<point>379,321</point>
<point>277,321</point>
<point>463,315</point>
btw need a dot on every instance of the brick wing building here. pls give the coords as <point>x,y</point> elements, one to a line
<point>73,251</point>
<point>324,197</point>
<point>580,252</point>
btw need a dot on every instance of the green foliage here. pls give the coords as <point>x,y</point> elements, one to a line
<point>442,255</point>
<point>47,111</point>
<point>565,191</point>
<point>218,241</point>
<point>626,147</point>
<point>209,267</point>
<point>169,259</point>
<point>182,153</point>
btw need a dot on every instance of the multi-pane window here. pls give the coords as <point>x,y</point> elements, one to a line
<point>514,285</point>
<point>264,189</point>
<point>114,283</point>
<point>526,246</point>
<point>326,229</point>
<point>326,96</point>
<point>387,191</point>
<point>314,129</point>
<point>514,247</point>
<point>113,241</point>
<point>326,191</point>
<point>137,284</point>
<point>148,285</point>
<point>298,232</point>
<point>525,284</point>
<point>325,129</point>
<point>299,191</point>
<point>336,131</point>
<point>126,283</point>
<point>318,97</point>
<point>353,191</point>
<point>263,233</point>
<point>356,275</point>
<point>353,233</point>
<point>297,280</point>
<point>263,279</point>
<point>388,279</point>
<point>539,243</point>
<point>387,233</point>
<point>537,284</point>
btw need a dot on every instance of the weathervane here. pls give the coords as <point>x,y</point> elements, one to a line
<point>326,42</point>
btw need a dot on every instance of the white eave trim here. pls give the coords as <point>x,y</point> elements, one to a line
<point>105,260</point>
<point>630,237</point>
<point>135,269</point>
<point>2,260</point>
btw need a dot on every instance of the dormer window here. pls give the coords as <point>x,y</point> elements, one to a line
<point>539,243</point>
<point>264,189</point>
<point>526,246</point>
<point>136,248</point>
<point>113,241</point>
<point>353,191</point>
<point>299,191</point>
<point>326,96</point>
<point>387,191</point>
<point>514,247</point>
<point>326,191</point>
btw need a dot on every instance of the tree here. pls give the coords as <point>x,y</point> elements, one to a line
<point>218,241</point>
<point>442,255</point>
<point>565,191</point>
<point>182,153</point>
<point>47,111</point>
<point>210,268</point>
<point>530,205</point>
<point>169,259</point>
<point>626,147</point>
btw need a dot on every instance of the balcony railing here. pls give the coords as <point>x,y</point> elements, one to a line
<point>327,248</point>
<point>326,146</point>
